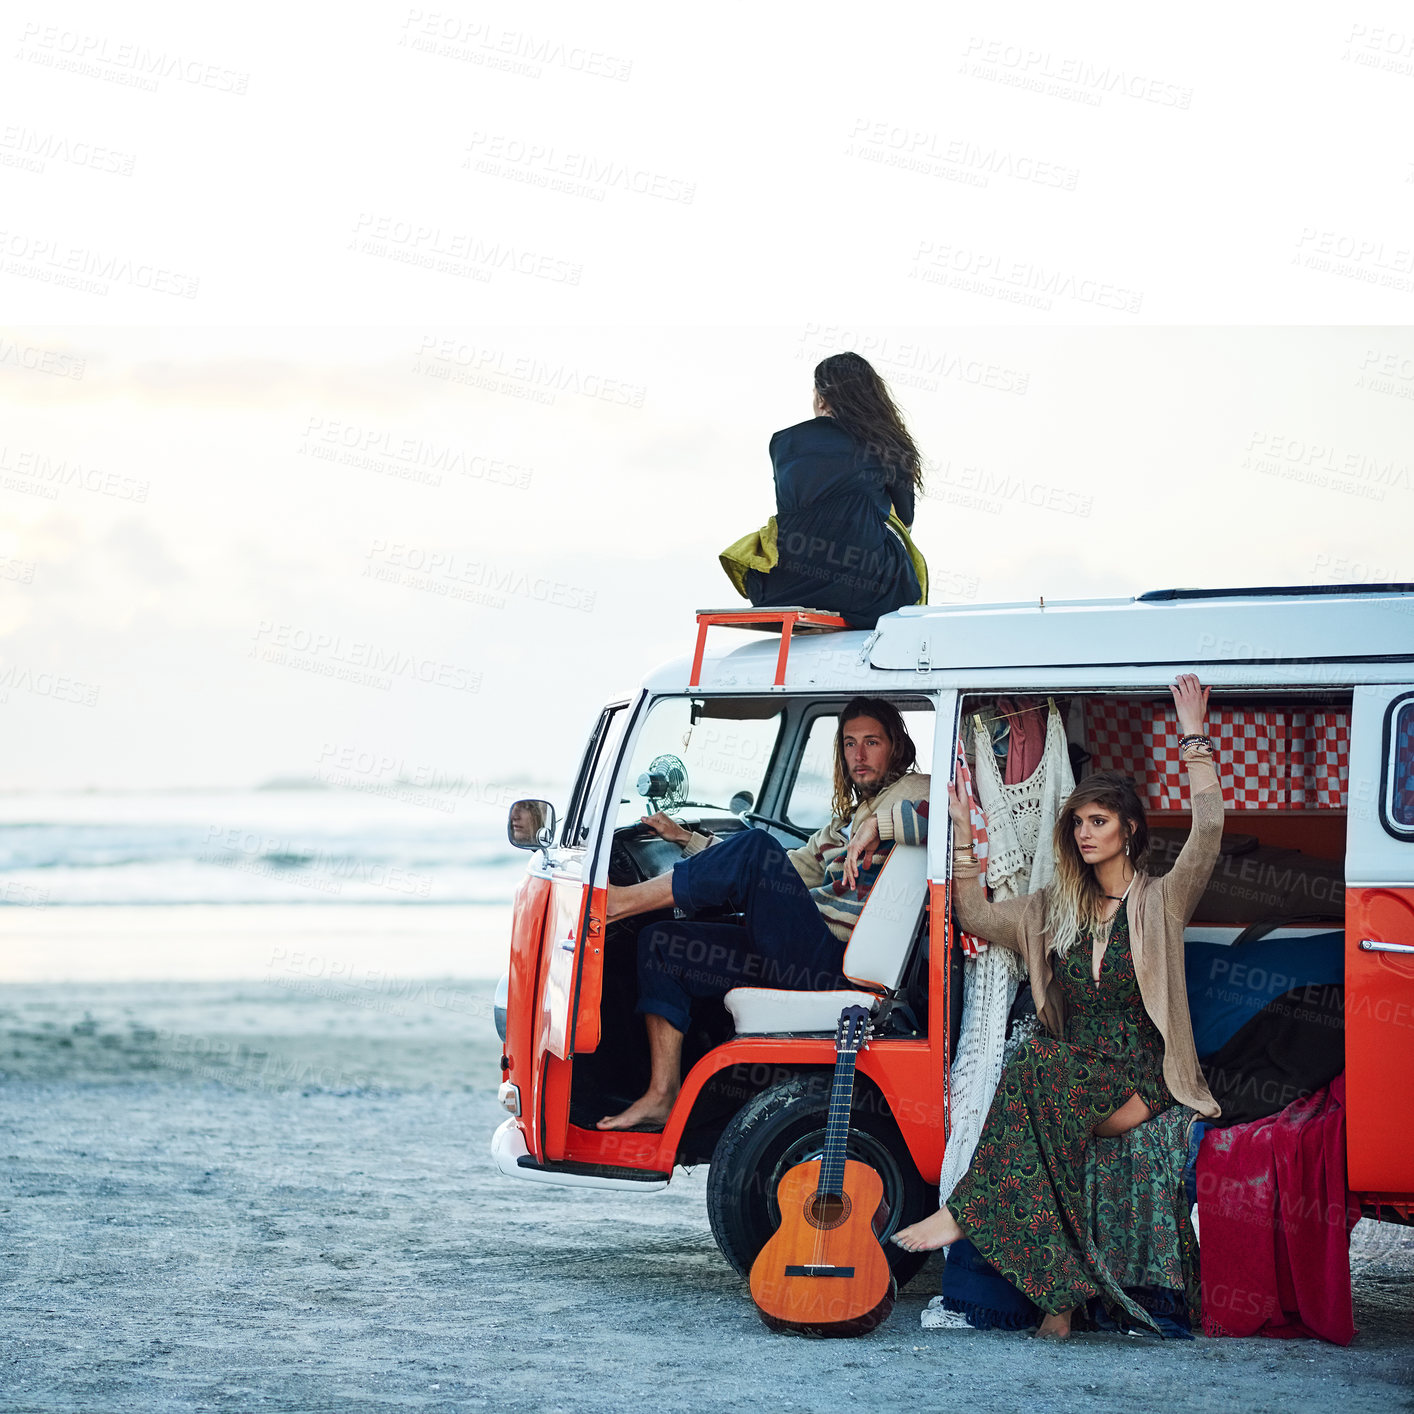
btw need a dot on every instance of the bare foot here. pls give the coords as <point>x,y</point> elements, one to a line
<point>651,1111</point>
<point>938,1230</point>
<point>1056,1327</point>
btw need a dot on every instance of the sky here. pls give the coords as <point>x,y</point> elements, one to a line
<point>379,385</point>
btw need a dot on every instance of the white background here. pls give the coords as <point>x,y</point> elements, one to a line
<point>1141,284</point>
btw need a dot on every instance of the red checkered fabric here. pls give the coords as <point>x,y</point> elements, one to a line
<point>1324,739</point>
<point>1253,751</point>
<point>1267,760</point>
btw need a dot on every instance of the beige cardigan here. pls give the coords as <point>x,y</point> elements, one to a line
<point>1159,910</point>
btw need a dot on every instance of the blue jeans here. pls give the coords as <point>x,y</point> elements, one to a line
<point>782,941</point>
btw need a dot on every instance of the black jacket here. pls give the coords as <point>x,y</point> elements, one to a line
<point>832,508</point>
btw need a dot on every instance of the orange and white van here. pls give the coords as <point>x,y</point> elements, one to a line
<point>1314,688</point>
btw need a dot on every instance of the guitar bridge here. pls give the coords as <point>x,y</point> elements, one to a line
<point>814,1270</point>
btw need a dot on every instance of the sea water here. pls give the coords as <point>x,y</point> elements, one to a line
<point>323,885</point>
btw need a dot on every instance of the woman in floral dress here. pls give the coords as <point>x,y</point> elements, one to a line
<point>1103,944</point>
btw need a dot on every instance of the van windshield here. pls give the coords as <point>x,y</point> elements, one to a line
<point>708,764</point>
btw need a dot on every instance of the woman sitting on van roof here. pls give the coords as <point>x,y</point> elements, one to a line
<point>845,487</point>
<point>1103,944</point>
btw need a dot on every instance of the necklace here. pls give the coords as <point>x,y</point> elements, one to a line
<point>1120,898</point>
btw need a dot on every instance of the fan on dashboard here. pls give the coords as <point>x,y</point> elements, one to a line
<point>664,784</point>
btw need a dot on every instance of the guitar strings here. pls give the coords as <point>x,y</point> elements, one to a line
<point>821,1236</point>
<point>841,1095</point>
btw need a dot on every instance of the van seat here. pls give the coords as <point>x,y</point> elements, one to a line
<point>875,957</point>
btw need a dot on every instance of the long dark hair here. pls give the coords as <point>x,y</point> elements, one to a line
<point>859,401</point>
<point>902,752</point>
<point>1075,903</point>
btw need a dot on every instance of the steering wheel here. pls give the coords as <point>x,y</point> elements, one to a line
<point>750,817</point>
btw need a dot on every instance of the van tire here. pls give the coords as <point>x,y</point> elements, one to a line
<point>782,1127</point>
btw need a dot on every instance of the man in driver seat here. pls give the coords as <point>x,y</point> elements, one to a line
<point>798,906</point>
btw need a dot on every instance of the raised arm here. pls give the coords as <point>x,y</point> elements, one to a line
<point>1182,887</point>
<point>996,922</point>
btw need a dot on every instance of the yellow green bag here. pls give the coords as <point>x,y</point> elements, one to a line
<point>759,551</point>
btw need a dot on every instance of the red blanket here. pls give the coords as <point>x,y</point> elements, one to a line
<point>1274,1220</point>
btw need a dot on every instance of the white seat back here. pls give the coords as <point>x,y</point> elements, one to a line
<point>878,946</point>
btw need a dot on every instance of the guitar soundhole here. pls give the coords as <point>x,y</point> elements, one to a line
<point>827,1210</point>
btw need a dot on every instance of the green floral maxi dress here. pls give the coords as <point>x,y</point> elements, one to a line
<point>1023,1202</point>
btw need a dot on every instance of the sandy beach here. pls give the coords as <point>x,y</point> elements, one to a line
<point>275,1193</point>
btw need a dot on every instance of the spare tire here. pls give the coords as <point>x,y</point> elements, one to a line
<point>785,1126</point>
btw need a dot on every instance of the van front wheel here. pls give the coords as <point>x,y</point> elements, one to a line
<point>785,1126</point>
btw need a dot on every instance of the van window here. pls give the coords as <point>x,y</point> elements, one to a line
<point>809,805</point>
<point>721,756</point>
<point>594,772</point>
<point>1399,794</point>
<point>813,789</point>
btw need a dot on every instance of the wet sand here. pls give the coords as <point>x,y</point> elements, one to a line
<point>355,943</point>
<point>276,1195</point>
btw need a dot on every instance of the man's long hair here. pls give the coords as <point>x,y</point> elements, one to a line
<point>859,401</point>
<point>902,752</point>
<point>1075,902</point>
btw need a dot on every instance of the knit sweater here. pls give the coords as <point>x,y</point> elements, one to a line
<point>1159,910</point>
<point>902,809</point>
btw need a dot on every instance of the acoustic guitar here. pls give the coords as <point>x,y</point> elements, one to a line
<point>824,1271</point>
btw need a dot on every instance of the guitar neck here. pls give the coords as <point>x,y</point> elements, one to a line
<point>837,1126</point>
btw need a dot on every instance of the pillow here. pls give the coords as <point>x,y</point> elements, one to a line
<point>1228,986</point>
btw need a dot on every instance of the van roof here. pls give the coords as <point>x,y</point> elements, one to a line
<point>1324,636</point>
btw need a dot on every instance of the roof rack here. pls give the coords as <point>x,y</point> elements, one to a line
<point>787,620</point>
<point>1293,590</point>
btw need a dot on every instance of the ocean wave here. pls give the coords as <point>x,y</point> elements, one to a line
<point>251,847</point>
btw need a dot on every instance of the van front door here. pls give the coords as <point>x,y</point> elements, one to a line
<point>571,922</point>
<point>1379,941</point>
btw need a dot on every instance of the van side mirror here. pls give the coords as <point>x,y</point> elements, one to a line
<point>742,800</point>
<point>531,824</point>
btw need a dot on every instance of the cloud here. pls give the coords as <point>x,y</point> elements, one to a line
<point>558,547</point>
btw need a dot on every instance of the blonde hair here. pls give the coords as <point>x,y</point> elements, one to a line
<point>1075,902</point>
